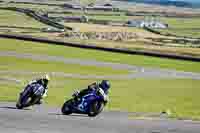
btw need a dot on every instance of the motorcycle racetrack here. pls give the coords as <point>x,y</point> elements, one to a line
<point>43,119</point>
<point>134,71</point>
<point>48,119</point>
<point>147,95</point>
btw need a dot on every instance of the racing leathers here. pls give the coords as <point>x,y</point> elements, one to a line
<point>94,86</point>
<point>38,81</point>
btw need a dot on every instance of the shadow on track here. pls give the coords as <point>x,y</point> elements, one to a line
<point>14,108</point>
<point>73,115</point>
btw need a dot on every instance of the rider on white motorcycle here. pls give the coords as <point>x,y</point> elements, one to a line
<point>42,81</point>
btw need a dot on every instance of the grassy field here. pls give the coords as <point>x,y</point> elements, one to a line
<point>97,13</point>
<point>97,16</point>
<point>122,18</point>
<point>188,27</point>
<point>12,18</point>
<point>139,44</point>
<point>194,33</point>
<point>83,27</point>
<point>69,52</point>
<point>181,96</point>
<point>138,95</point>
<point>32,6</point>
<point>182,22</point>
<point>26,30</point>
<point>46,66</point>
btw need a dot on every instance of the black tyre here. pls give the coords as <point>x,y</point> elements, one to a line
<point>66,109</point>
<point>23,95</point>
<point>96,108</point>
<point>19,106</point>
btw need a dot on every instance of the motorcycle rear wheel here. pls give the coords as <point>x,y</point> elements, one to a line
<point>19,106</point>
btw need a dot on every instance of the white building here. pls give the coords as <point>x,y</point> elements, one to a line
<point>153,24</point>
<point>149,24</point>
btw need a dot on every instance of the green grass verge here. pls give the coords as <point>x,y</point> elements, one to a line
<point>139,45</point>
<point>17,64</point>
<point>188,27</point>
<point>182,22</point>
<point>179,96</point>
<point>109,18</point>
<point>92,13</point>
<point>33,6</point>
<point>69,52</point>
<point>103,16</point>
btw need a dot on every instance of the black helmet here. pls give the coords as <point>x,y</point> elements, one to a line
<point>105,85</point>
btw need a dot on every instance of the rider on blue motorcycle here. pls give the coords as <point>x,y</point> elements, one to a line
<point>101,88</point>
<point>42,81</point>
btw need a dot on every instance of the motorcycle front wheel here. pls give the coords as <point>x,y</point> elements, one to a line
<point>95,108</point>
<point>66,110</point>
<point>22,99</point>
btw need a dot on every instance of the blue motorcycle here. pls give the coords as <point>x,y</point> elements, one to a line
<point>31,95</point>
<point>91,104</point>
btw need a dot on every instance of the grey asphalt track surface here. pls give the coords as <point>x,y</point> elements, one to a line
<point>134,71</point>
<point>43,119</point>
